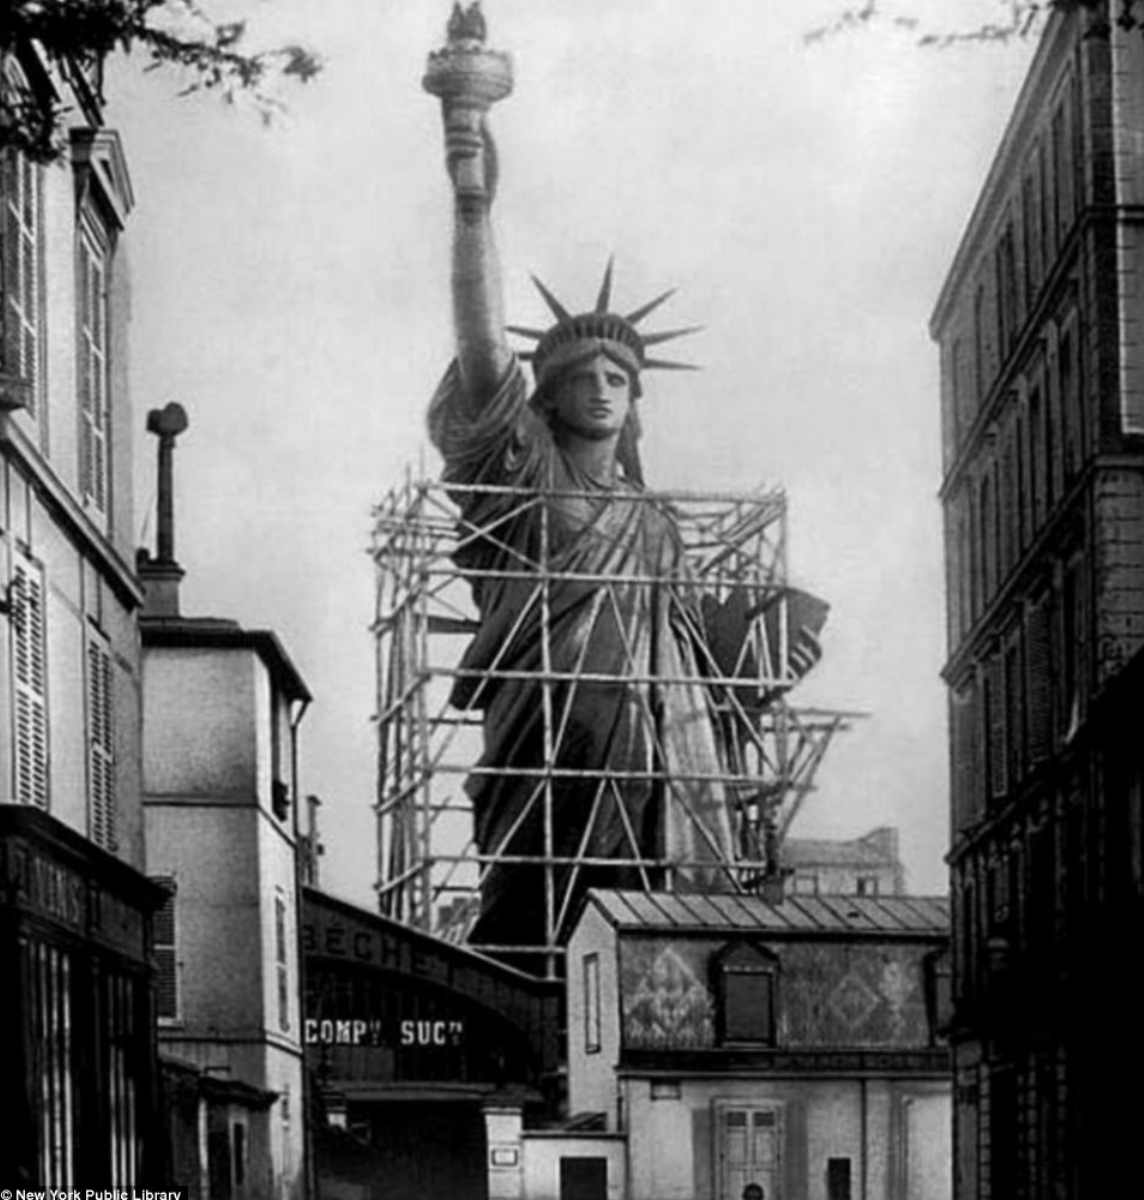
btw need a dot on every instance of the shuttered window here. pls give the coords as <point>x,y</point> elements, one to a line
<point>995,729</point>
<point>100,742</point>
<point>91,371</point>
<point>21,281</point>
<point>166,963</point>
<point>282,958</point>
<point>32,784</point>
<point>1039,674</point>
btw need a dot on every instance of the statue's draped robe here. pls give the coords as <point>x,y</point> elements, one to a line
<point>623,620</point>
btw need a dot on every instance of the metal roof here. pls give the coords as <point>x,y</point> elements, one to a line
<point>697,912</point>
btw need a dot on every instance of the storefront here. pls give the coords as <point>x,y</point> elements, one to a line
<point>77,1047</point>
<point>411,1042</point>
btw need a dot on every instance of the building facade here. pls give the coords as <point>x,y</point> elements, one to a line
<point>222,707</point>
<point>1041,331</point>
<point>728,1040</point>
<point>864,866</point>
<point>77,1057</point>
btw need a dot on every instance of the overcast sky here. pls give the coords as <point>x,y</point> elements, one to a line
<point>291,291</point>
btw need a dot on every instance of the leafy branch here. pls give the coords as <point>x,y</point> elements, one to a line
<point>180,34</point>
<point>1017,19</point>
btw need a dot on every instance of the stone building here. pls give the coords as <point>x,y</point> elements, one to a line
<point>1041,331</point>
<point>77,1056</point>
<point>724,1040</point>
<point>869,865</point>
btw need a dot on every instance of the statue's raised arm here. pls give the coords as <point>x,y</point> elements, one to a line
<point>469,78</point>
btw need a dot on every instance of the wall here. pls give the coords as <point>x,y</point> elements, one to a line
<point>830,993</point>
<point>591,1076</point>
<point>542,1154</point>
<point>212,853</point>
<point>88,586</point>
<point>673,1143</point>
<point>201,737</point>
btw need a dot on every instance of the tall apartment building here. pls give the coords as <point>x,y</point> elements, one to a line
<point>1041,330</point>
<point>77,1055</point>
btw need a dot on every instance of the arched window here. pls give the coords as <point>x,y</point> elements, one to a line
<point>746,984</point>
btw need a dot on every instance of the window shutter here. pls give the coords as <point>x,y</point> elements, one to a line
<point>101,761</point>
<point>996,732</point>
<point>20,233</point>
<point>1039,665</point>
<point>32,783</point>
<point>166,967</point>
<point>92,375</point>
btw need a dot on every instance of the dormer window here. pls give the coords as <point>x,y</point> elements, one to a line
<point>746,983</point>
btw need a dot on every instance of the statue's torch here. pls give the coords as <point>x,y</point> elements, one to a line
<point>468,79</point>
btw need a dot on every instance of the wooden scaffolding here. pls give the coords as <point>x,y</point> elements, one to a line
<point>429,867</point>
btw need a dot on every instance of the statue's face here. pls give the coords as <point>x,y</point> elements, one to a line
<point>593,400</point>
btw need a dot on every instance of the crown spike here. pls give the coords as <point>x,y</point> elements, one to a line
<point>558,309</point>
<point>604,299</point>
<point>522,331</point>
<point>654,339</point>
<point>636,317</point>
<point>661,364</point>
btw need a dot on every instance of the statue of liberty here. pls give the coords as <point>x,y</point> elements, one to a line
<point>602,748</point>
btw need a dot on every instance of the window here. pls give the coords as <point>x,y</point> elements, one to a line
<point>965,742</point>
<point>32,784</point>
<point>166,962</point>
<point>1014,709</point>
<point>1072,682</point>
<point>1039,677</point>
<point>238,1144</point>
<point>1038,460</point>
<point>591,1003</point>
<point>996,731</point>
<point>21,279</point>
<point>838,1179</point>
<point>981,375</point>
<point>746,979</point>
<point>280,943</point>
<point>1062,166</point>
<point>1031,221</point>
<point>100,744</point>
<point>987,543</point>
<point>867,885</point>
<point>804,884</point>
<point>1006,271</point>
<point>91,370</point>
<point>1071,400</point>
<point>49,984</point>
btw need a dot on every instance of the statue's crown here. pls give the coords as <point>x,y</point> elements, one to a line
<point>575,336</point>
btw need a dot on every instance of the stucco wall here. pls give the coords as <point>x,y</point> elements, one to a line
<point>591,1075</point>
<point>542,1154</point>
<point>895,1134</point>
<point>212,854</point>
<point>201,734</point>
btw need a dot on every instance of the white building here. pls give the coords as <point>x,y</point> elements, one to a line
<point>727,1040</point>
<point>221,709</point>
<point>77,1067</point>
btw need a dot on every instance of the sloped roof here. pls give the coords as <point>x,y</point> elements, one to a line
<point>910,916</point>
